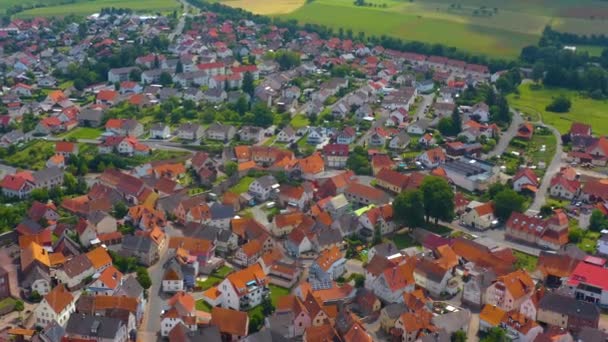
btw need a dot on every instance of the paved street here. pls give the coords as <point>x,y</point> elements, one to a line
<point>552,169</point>
<point>507,136</point>
<point>427,100</point>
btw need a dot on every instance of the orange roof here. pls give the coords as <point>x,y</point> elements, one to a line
<point>59,298</point>
<point>289,191</point>
<point>484,209</point>
<point>448,257</point>
<point>248,165</point>
<point>107,95</point>
<point>111,277</point>
<point>492,314</point>
<point>57,159</point>
<point>184,299</point>
<point>212,293</point>
<point>99,257</point>
<point>242,152</point>
<point>518,283</point>
<point>400,276</point>
<point>103,302</point>
<point>57,96</point>
<point>192,245</point>
<point>252,248</point>
<point>170,169</point>
<point>312,164</point>
<point>230,321</point>
<point>357,333</point>
<point>289,219</point>
<point>239,279</point>
<point>114,123</point>
<point>321,333</point>
<point>64,146</point>
<point>328,257</point>
<point>34,252</point>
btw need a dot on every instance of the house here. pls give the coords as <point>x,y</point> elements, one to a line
<point>579,129</point>
<point>295,196</point>
<point>140,247</point>
<point>125,127</point>
<point>90,117</point>
<point>567,313</point>
<point>97,328</point>
<point>479,215</point>
<point>120,74</point>
<point>264,188</point>
<point>316,135</point>
<point>243,289</point>
<point>251,133</point>
<point>335,155</point>
<point>286,135</point>
<point>58,305</point>
<point>548,233</point>
<point>380,217</point>
<point>509,291</point>
<point>380,162</point>
<point>593,191</point>
<point>525,178</point>
<point>107,97</point>
<point>400,141</point>
<point>39,210</point>
<point>160,131</point>
<point>470,173</point>
<point>480,112</point>
<point>392,181</point>
<point>412,325</point>
<point>190,131</point>
<point>432,158</point>
<point>587,282</point>
<point>106,282</point>
<point>563,187</point>
<point>525,131</point>
<point>328,266</point>
<point>518,327</point>
<point>180,309</point>
<point>232,324</point>
<point>221,132</point>
<point>393,281</point>
<point>419,127</point>
<point>346,136</point>
<point>75,271</point>
<point>379,136</point>
<point>298,242</point>
<point>248,254</point>
<point>364,195</point>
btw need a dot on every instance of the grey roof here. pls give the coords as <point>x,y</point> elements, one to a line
<point>209,333</point>
<point>77,265</point>
<point>452,321</point>
<point>130,287</point>
<point>137,243</point>
<point>34,273</point>
<point>280,322</point>
<point>267,181</point>
<point>96,216</point>
<point>266,335</point>
<point>218,127</point>
<point>93,326</point>
<point>329,237</point>
<point>53,332</point>
<point>591,334</point>
<point>386,249</point>
<point>91,114</point>
<point>189,127</point>
<point>158,126</point>
<point>47,174</point>
<point>569,306</point>
<point>395,310</point>
<point>221,211</point>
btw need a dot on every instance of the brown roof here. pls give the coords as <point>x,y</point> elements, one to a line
<point>328,257</point>
<point>230,321</point>
<point>192,245</point>
<point>321,333</point>
<point>492,314</point>
<point>365,191</point>
<point>59,298</point>
<point>519,283</point>
<point>99,257</point>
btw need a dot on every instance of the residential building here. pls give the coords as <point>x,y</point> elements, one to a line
<point>58,305</point>
<point>568,313</point>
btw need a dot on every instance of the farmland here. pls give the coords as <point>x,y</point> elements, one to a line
<point>89,7</point>
<point>533,102</point>
<point>493,27</point>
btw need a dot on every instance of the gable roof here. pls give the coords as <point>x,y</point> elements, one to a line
<point>230,321</point>
<point>59,298</point>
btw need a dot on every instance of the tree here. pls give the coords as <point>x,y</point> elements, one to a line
<point>575,235</point>
<point>143,277</point>
<point>248,84</point>
<point>408,208</point>
<point>560,104</point>
<point>241,106</point>
<point>179,67</point>
<point>456,121</point>
<point>19,306</point>
<point>267,307</point>
<point>230,168</point>
<point>446,126</point>
<point>255,323</point>
<point>262,115</point>
<point>495,334</point>
<point>377,235</point>
<point>506,202</point>
<point>459,336</point>
<point>537,72</point>
<point>165,78</point>
<point>438,199</point>
<point>598,221</point>
<point>358,162</point>
<point>135,75</point>
<point>120,210</point>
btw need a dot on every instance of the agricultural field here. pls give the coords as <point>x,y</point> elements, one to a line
<point>89,7</point>
<point>492,27</point>
<point>533,101</point>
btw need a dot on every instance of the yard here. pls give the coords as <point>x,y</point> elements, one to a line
<point>403,240</point>
<point>242,186</point>
<point>276,292</point>
<point>589,241</point>
<point>209,282</point>
<point>33,155</point>
<point>586,110</point>
<point>299,121</point>
<point>525,261</point>
<point>201,305</point>
<point>541,148</point>
<point>83,133</point>
<point>7,304</point>
<point>222,272</point>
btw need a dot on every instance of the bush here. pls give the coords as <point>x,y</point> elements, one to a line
<point>560,104</point>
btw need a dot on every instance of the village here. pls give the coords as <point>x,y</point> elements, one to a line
<point>196,177</point>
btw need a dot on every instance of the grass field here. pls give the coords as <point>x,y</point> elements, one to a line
<point>84,133</point>
<point>586,110</point>
<point>277,292</point>
<point>492,27</point>
<point>90,7</point>
<point>242,186</point>
<point>526,261</point>
<point>299,121</point>
<point>32,156</point>
<point>594,51</point>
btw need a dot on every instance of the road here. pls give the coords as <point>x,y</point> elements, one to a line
<point>552,169</point>
<point>497,236</point>
<point>154,144</point>
<point>179,28</point>
<point>156,300</point>
<point>507,136</point>
<point>427,100</point>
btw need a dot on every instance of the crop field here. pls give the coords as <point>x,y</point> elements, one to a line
<point>496,28</point>
<point>90,7</point>
<point>584,109</point>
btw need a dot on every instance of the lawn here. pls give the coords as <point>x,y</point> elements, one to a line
<point>535,146</point>
<point>222,272</point>
<point>242,186</point>
<point>265,6</point>
<point>276,292</point>
<point>299,121</point>
<point>209,282</point>
<point>84,133</point>
<point>201,305</point>
<point>584,109</point>
<point>589,241</point>
<point>526,261</point>
<point>594,51</point>
<point>32,155</point>
<point>90,7</point>
<point>7,303</point>
<point>403,240</point>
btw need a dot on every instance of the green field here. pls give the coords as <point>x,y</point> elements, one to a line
<point>242,186</point>
<point>90,7</point>
<point>593,51</point>
<point>32,156</point>
<point>84,133</point>
<point>496,28</point>
<point>526,261</point>
<point>584,109</point>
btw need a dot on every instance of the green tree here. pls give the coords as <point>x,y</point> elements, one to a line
<point>575,235</point>
<point>135,75</point>
<point>495,334</point>
<point>560,104</point>
<point>255,322</point>
<point>456,121</point>
<point>408,208</point>
<point>143,277</point>
<point>358,162</point>
<point>446,126</point>
<point>438,199</point>
<point>459,336</point>
<point>241,106</point>
<point>230,168</point>
<point>506,202</point>
<point>377,235</point>
<point>248,84</point>
<point>120,210</point>
<point>165,78</point>
<point>179,67</point>
<point>262,115</point>
<point>598,221</point>
<point>267,307</point>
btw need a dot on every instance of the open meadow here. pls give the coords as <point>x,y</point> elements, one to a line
<point>533,101</point>
<point>87,7</point>
<point>492,27</point>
